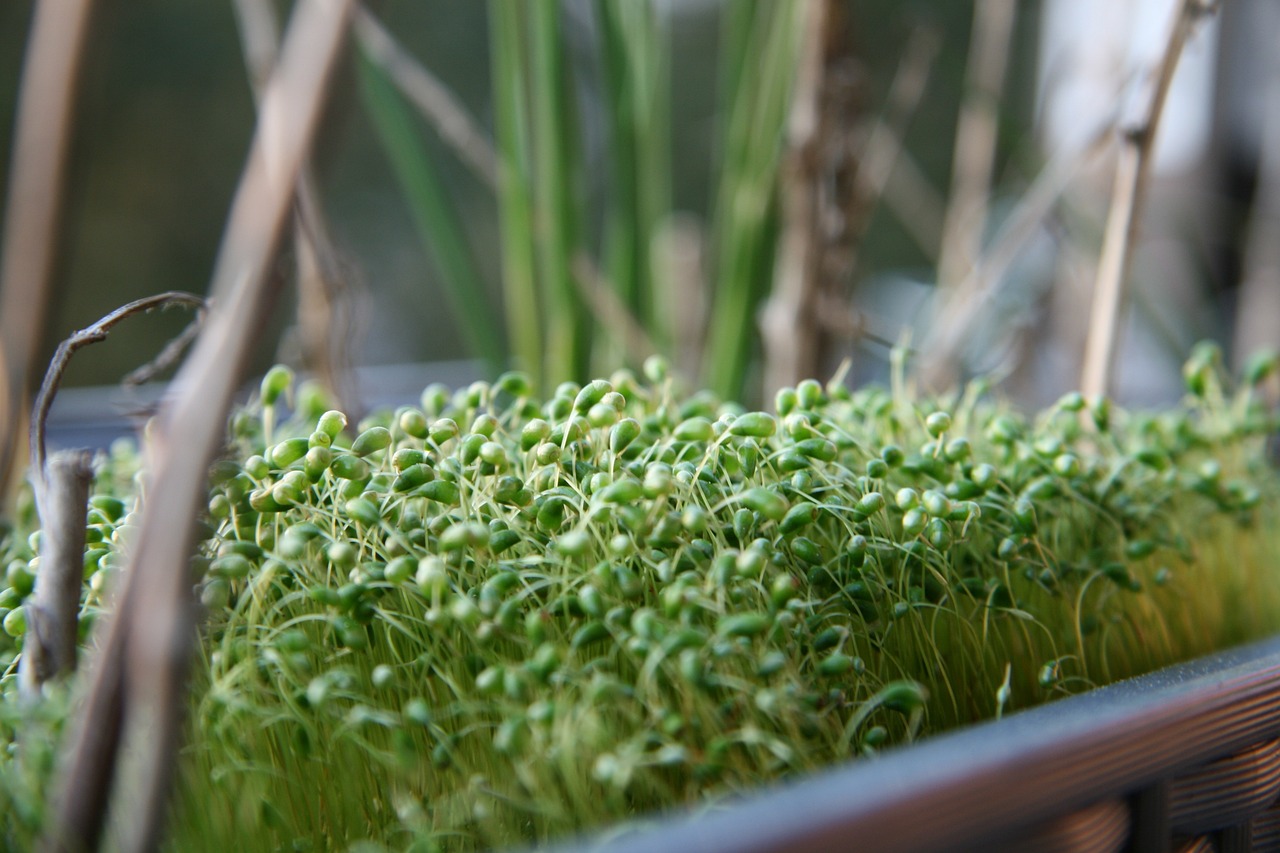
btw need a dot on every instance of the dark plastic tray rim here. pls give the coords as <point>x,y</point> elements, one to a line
<point>986,783</point>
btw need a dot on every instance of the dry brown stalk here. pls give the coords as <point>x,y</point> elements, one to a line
<point>62,492</point>
<point>790,342</point>
<point>823,208</point>
<point>326,307</point>
<point>940,359</point>
<point>860,170</point>
<point>49,650</point>
<point>95,333</point>
<point>1128,197</point>
<point>973,162</point>
<point>136,691</point>
<point>33,209</point>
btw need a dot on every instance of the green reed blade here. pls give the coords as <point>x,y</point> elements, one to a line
<point>553,146</point>
<point>508,62</point>
<point>637,103</point>
<point>434,212</point>
<point>745,217</point>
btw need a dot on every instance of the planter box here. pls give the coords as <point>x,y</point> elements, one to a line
<point>1184,759</point>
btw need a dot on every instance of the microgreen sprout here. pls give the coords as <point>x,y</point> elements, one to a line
<point>494,619</point>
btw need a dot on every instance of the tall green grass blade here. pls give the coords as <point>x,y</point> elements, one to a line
<point>433,212</point>
<point>637,105</point>
<point>736,40</point>
<point>566,349</point>
<point>766,39</point>
<point>621,237</point>
<point>653,148</point>
<point>508,61</point>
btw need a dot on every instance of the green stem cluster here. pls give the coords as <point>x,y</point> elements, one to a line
<point>555,325</point>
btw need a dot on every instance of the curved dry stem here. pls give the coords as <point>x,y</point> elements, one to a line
<point>167,357</point>
<point>821,202</point>
<point>91,335</point>
<point>43,128</point>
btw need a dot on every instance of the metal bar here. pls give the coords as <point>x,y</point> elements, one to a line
<point>988,782</point>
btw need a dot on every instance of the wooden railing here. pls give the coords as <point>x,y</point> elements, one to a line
<point>1185,759</point>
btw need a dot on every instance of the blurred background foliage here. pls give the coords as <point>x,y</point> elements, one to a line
<point>166,113</point>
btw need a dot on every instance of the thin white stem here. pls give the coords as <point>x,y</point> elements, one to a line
<point>965,303</point>
<point>1128,198</point>
<point>975,145</point>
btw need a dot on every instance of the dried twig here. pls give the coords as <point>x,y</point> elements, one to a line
<point>34,206</point>
<point>1133,172</point>
<point>93,334</point>
<point>793,337</point>
<point>137,685</point>
<point>786,328</point>
<point>62,491</point>
<point>167,357</point>
<point>975,144</point>
<point>49,650</point>
<point>432,98</point>
<point>965,303</point>
<point>325,299</point>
